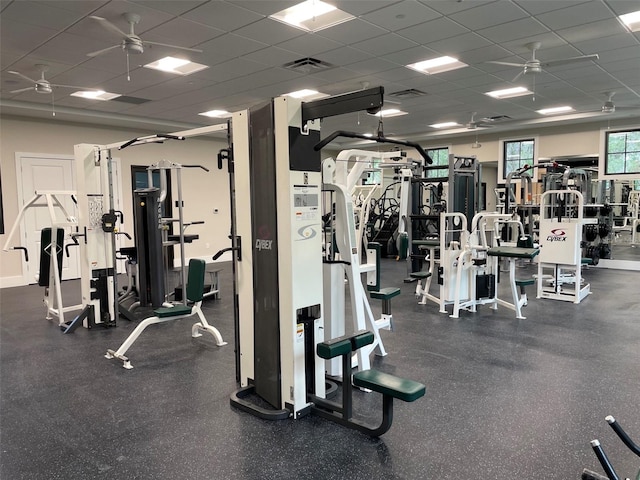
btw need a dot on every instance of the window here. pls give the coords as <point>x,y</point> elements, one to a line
<point>622,152</point>
<point>440,157</point>
<point>517,154</point>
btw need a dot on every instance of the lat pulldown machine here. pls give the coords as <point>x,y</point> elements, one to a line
<point>279,264</point>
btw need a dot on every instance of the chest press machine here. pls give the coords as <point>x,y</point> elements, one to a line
<point>279,318</point>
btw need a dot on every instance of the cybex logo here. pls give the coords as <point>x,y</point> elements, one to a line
<point>557,235</point>
<point>263,244</point>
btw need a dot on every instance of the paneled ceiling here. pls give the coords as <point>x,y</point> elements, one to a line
<point>245,52</point>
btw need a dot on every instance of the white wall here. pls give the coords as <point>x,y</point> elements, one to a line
<point>202,192</point>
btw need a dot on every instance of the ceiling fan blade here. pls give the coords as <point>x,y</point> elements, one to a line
<point>109,26</point>
<point>173,46</point>
<point>72,86</point>
<point>104,50</point>
<point>515,79</point>
<point>22,76</point>
<point>565,61</point>
<point>22,90</point>
<point>509,64</point>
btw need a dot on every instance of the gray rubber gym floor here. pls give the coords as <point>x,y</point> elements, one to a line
<point>506,398</point>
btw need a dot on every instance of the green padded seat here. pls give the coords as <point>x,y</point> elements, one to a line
<point>385,293</point>
<point>172,311</point>
<point>400,388</point>
<point>360,340</point>
<point>334,348</point>
<point>523,282</point>
<point>420,275</point>
<point>587,261</point>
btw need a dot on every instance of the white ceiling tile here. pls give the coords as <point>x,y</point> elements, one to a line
<point>183,33</point>
<point>224,15</point>
<point>344,56</point>
<point>624,53</point>
<point>272,56</point>
<point>84,7</point>
<point>602,28</point>
<point>175,86</point>
<point>449,7</point>
<point>20,37</point>
<point>68,48</point>
<point>488,15</point>
<point>269,31</point>
<point>398,74</point>
<point>264,8</point>
<point>432,31</point>
<point>461,43</point>
<point>401,15</point>
<point>614,42</point>
<point>310,45</point>
<point>172,7</point>
<point>362,7</point>
<point>575,15</point>
<point>80,76</point>
<point>385,44</point>
<point>620,7</point>
<point>230,45</point>
<point>410,55</point>
<point>522,28</point>
<point>45,14</point>
<point>536,7</point>
<point>484,54</point>
<point>548,40</point>
<point>371,67</point>
<point>352,31</point>
<point>113,11</point>
<point>235,68</point>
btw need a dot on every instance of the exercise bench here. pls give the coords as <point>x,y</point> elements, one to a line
<point>390,386</point>
<point>195,292</point>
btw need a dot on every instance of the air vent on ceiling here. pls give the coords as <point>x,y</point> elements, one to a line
<point>307,65</point>
<point>132,100</point>
<point>497,118</point>
<point>408,93</point>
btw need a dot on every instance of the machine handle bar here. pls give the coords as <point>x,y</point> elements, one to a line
<point>124,233</point>
<point>604,460</point>
<point>26,252</point>
<point>380,139</point>
<point>196,166</point>
<point>623,435</point>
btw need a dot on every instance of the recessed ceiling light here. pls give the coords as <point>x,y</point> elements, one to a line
<point>176,65</point>
<point>437,65</point>
<point>444,125</point>
<point>95,95</point>
<point>216,114</point>
<point>312,16</point>
<point>509,92</point>
<point>631,20</point>
<point>389,112</point>
<point>307,94</point>
<point>551,111</point>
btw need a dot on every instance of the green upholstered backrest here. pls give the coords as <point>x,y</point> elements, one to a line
<point>195,281</point>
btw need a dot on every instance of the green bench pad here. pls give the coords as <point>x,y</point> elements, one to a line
<point>516,252</point>
<point>401,388</point>
<point>523,282</point>
<point>344,345</point>
<point>420,274</point>
<point>427,243</point>
<point>587,261</point>
<point>172,311</point>
<point>385,293</point>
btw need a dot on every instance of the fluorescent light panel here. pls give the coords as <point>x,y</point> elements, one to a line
<point>437,65</point>
<point>176,65</point>
<point>95,95</point>
<point>552,110</point>
<point>631,20</point>
<point>390,112</point>
<point>307,94</point>
<point>312,16</point>
<point>509,92</point>
<point>444,125</point>
<point>216,114</point>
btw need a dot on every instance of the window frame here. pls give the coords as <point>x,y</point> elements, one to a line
<point>501,155</point>
<point>603,158</point>
<point>439,147</point>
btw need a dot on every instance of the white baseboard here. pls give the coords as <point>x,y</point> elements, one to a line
<point>7,282</point>
<point>619,264</point>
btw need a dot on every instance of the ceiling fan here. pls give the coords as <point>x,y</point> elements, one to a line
<point>610,107</point>
<point>42,85</point>
<point>482,123</point>
<point>534,65</point>
<point>131,43</point>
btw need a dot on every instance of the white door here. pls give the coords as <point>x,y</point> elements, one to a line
<point>45,172</point>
